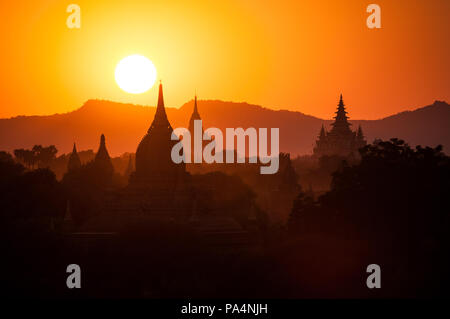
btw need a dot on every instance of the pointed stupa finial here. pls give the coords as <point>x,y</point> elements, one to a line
<point>74,160</point>
<point>102,159</point>
<point>360,133</point>
<point>160,115</point>
<point>102,152</point>
<point>194,116</point>
<point>341,119</point>
<point>322,132</point>
<point>341,101</point>
<point>160,95</point>
<point>195,104</point>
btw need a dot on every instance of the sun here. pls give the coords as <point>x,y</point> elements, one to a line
<point>135,74</point>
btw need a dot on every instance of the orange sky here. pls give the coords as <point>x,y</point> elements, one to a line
<point>296,55</point>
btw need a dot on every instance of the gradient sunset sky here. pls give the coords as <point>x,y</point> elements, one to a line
<point>296,55</point>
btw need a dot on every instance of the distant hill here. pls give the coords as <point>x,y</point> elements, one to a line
<point>125,124</point>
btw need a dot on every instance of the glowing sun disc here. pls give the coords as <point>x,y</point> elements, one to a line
<point>135,74</point>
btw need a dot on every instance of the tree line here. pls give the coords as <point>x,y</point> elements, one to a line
<point>40,156</point>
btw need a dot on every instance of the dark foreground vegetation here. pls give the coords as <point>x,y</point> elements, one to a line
<point>391,209</point>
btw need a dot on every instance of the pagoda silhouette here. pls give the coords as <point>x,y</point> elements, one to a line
<point>158,188</point>
<point>161,192</point>
<point>153,155</point>
<point>74,160</point>
<point>102,161</point>
<point>195,116</point>
<point>340,140</point>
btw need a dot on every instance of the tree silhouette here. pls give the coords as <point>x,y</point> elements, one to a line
<point>28,194</point>
<point>300,219</point>
<point>42,156</point>
<point>5,157</point>
<point>26,157</point>
<point>396,201</point>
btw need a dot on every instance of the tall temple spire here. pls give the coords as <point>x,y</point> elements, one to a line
<point>341,123</point>
<point>74,160</point>
<point>195,116</point>
<point>160,96</point>
<point>153,155</point>
<point>360,134</point>
<point>102,159</point>
<point>195,105</point>
<point>322,132</point>
<point>360,140</point>
<point>341,140</point>
<point>341,113</point>
<point>196,146</point>
<point>102,152</point>
<point>102,147</point>
<point>160,116</point>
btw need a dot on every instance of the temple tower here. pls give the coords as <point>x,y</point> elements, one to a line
<point>153,155</point>
<point>360,139</point>
<point>159,188</point>
<point>74,160</point>
<point>195,117</point>
<point>341,140</point>
<point>102,160</point>
<point>341,126</point>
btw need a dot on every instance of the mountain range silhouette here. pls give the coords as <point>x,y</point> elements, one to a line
<point>125,124</point>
